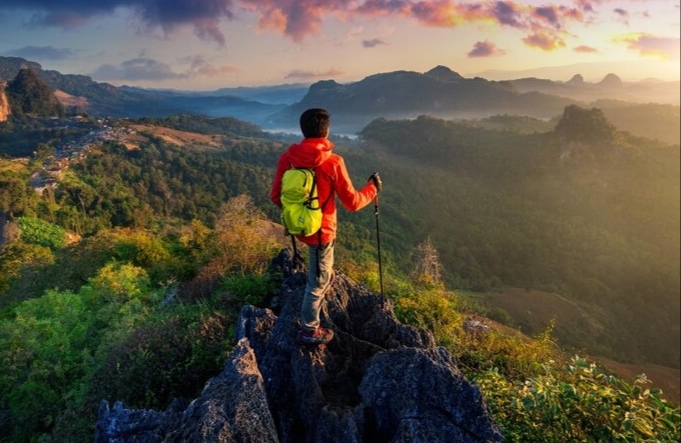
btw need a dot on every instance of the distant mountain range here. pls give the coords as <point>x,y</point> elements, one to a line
<point>593,70</point>
<point>439,92</point>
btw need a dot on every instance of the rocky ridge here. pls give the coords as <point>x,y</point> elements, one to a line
<point>4,103</point>
<point>377,381</point>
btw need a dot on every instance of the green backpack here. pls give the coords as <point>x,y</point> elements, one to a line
<point>301,213</point>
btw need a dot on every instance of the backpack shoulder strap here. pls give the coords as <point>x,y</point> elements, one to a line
<point>323,205</point>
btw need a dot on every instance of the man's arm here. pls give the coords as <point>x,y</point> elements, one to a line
<point>352,199</point>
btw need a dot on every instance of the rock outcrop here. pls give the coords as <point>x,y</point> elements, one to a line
<point>377,381</point>
<point>28,94</point>
<point>4,103</point>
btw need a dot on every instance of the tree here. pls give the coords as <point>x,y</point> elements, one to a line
<point>427,267</point>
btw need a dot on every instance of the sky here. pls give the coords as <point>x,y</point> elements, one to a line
<point>211,44</point>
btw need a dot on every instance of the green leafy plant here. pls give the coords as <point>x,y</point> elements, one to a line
<point>48,344</point>
<point>43,233</point>
<point>251,289</point>
<point>579,403</point>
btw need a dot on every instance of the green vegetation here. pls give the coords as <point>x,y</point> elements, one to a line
<point>638,119</point>
<point>535,391</point>
<point>581,403</point>
<point>150,318</point>
<point>39,232</point>
<point>21,137</point>
<point>138,262</point>
<point>205,125</point>
<point>585,212</point>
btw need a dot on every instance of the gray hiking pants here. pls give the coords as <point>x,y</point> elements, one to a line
<point>319,274</point>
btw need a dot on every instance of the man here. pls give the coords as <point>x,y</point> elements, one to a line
<point>315,152</point>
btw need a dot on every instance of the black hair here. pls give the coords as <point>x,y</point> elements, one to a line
<point>315,123</point>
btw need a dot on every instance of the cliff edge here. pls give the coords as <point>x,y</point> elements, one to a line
<point>377,381</point>
<point>4,103</point>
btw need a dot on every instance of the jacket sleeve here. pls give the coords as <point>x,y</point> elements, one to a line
<point>352,199</point>
<point>275,192</point>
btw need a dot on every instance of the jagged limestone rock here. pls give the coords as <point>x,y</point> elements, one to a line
<point>231,408</point>
<point>377,381</point>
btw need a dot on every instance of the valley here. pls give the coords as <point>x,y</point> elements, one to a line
<point>564,218</point>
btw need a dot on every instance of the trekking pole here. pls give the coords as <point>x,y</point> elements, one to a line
<point>378,243</point>
<point>296,256</point>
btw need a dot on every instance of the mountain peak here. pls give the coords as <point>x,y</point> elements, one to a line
<point>29,94</point>
<point>443,73</point>
<point>576,80</point>
<point>374,379</point>
<point>611,81</point>
<point>579,125</point>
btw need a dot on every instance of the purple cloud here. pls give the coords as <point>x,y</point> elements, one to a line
<point>309,75</point>
<point>484,49</point>
<point>136,69</point>
<point>372,43</point>
<point>653,46</point>
<point>203,15</point>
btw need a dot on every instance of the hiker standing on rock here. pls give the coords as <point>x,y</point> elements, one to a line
<point>315,152</point>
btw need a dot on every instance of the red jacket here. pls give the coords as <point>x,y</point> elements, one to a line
<point>332,179</point>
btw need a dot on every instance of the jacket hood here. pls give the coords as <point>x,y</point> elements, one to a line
<point>310,153</point>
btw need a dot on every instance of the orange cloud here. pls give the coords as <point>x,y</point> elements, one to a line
<point>585,49</point>
<point>296,19</point>
<point>443,13</point>
<point>299,19</point>
<point>544,41</point>
<point>665,48</point>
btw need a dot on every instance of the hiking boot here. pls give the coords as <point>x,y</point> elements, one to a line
<point>317,336</point>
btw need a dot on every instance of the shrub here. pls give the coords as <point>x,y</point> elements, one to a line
<point>23,263</point>
<point>433,309</point>
<point>249,289</point>
<point>41,232</point>
<point>242,245</point>
<point>44,351</point>
<point>514,356</point>
<point>48,345</point>
<point>581,403</point>
<point>170,358</point>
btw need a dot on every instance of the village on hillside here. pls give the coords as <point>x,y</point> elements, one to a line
<point>76,150</point>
